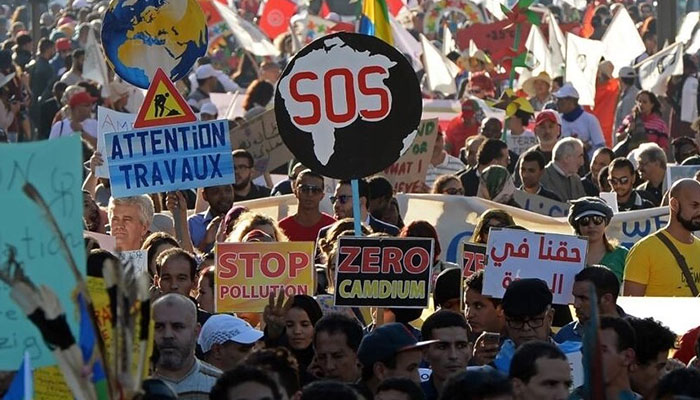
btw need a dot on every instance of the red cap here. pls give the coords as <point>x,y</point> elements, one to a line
<point>80,99</point>
<point>547,115</point>
<point>63,44</point>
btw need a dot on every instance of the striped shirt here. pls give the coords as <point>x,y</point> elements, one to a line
<point>198,382</point>
<point>449,166</point>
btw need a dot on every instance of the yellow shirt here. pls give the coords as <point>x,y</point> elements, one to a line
<point>651,263</point>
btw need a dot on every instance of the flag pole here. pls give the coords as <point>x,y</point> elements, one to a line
<point>356,207</point>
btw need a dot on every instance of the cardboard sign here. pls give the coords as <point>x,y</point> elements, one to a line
<point>473,258</point>
<point>163,105</point>
<point>677,172</point>
<point>516,254</point>
<point>109,121</point>
<point>407,175</point>
<point>169,158</point>
<point>348,105</point>
<point>54,169</point>
<point>246,273</point>
<point>540,204</point>
<point>383,272</point>
<point>262,139</point>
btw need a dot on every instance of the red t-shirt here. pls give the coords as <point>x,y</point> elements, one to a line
<point>297,233</point>
<point>457,132</point>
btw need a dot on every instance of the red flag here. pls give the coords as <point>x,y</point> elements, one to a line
<point>275,17</point>
<point>587,23</point>
<point>395,6</point>
<point>324,11</point>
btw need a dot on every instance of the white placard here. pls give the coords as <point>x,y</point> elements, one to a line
<point>516,254</point>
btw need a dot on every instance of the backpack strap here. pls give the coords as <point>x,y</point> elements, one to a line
<point>680,260</point>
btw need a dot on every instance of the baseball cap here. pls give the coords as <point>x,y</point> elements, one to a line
<point>222,328</point>
<point>627,72</point>
<point>526,297</point>
<point>81,98</point>
<point>209,108</point>
<point>205,71</point>
<point>63,44</point>
<point>567,90</point>
<point>387,340</point>
<point>547,115</point>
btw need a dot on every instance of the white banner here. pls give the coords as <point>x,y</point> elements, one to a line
<point>247,35</point>
<point>582,58</point>
<point>109,121</point>
<point>655,71</point>
<point>438,73</point>
<point>622,52</point>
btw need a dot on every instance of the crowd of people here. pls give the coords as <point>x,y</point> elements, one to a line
<point>468,345</point>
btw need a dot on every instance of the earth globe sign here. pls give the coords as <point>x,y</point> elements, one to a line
<point>140,36</point>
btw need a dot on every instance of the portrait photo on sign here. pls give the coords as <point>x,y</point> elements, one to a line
<point>348,105</point>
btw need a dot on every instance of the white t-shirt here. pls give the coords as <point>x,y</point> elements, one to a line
<point>63,128</point>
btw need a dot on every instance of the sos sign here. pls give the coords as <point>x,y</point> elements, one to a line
<point>346,104</point>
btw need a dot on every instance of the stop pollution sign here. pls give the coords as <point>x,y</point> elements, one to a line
<point>348,105</point>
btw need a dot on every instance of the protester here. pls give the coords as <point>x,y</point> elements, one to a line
<point>601,282</point>
<point>226,340</point>
<point>244,187</point>
<point>548,132</point>
<point>643,124</point>
<point>176,272</point>
<point>532,165</point>
<point>462,126</point>
<point>493,218</point>
<point>447,290</point>
<point>447,184</point>
<point>244,382</point>
<point>79,120</point>
<point>576,122</point>
<point>441,162</point>
<point>538,88</point>
<point>652,344</point>
<point>308,220</point>
<point>589,216</point>
<point>389,351</point>
<point>129,220</point>
<point>449,354</point>
<point>652,167</point>
<point>381,192</point>
<point>491,152</point>
<point>175,333</point>
<point>155,244</point>
<point>652,265</point>
<point>280,365</point>
<point>628,94</point>
<point>601,158</point>
<point>250,221</point>
<point>561,174</point>
<point>203,226</point>
<point>205,289</point>
<point>684,148</point>
<point>478,383</point>
<point>399,389</point>
<point>343,208</point>
<point>336,340</point>
<point>621,176</point>
<point>606,94</point>
<point>496,184</point>
<point>539,370</point>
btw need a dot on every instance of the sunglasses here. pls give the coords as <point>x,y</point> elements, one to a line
<point>596,219</point>
<point>342,199</point>
<point>310,189</point>
<point>453,191</point>
<point>618,181</point>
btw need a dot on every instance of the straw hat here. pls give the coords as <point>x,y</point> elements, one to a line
<point>529,85</point>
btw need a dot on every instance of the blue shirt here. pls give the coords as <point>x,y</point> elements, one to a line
<point>505,355</point>
<point>197,224</point>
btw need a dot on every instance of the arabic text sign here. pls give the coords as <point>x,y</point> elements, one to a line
<point>54,169</point>
<point>246,273</point>
<point>407,174</point>
<point>473,258</point>
<point>172,157</point>
<point>262,139</point>
<point>383,272</point>
<point>516,254</point>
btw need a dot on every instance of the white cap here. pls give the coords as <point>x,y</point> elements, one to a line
<point>222,328</point>
<point>205,71</point>
<point>567,90</point>
<point>208,108</point>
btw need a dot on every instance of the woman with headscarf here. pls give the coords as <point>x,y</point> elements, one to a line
<point>496,184</point>
<point>589,216</point>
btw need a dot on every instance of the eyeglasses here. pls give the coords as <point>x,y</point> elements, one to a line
<point>618,181</point>
<point>342,198</point>
<point>242,166</point>
<point>596,219</point>
<point>453,191</point>
<point>310,189</point>
<point>533,323</point>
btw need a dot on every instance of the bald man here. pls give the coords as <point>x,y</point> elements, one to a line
<point>176,331</point>
<point>651,268</point>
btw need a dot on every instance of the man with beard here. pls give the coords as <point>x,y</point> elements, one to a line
<point>203,226</point>
<point>75,74</point>
<point>651,268</point>
<point>244,187</point>
<point>176,331</point>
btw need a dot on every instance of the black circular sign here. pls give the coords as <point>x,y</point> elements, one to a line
<point>347,105</point>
